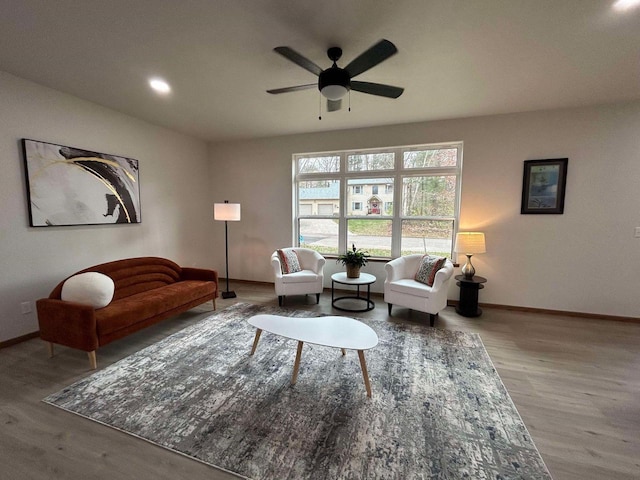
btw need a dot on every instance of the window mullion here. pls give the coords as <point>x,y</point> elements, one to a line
<point>396,227</point>
<point>342,221</point>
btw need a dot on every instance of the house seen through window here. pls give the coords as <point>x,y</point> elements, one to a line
<point>390,202</point>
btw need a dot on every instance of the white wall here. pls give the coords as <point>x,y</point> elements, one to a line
<point>176,218</point>
<point>585,260</point>
<point>582,261</point>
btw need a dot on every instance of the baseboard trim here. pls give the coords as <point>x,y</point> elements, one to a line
<point>514,308</point>
<point>20,339</point>
<point>451,303</point>
<point>222,280</point>
<point>564,313</point>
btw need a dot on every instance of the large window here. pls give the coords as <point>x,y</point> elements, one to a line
<point>345,198</point>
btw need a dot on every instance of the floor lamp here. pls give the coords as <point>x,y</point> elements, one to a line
<point>226,212</point>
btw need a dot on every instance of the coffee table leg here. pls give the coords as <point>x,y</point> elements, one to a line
<point>296,366</point>
<point>255,341</point>
<point>363,364</point>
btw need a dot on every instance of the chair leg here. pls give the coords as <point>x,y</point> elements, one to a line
<point>432,318</point>
<point>280,300</point>
<point>389,307</point>
<point>317,298</point>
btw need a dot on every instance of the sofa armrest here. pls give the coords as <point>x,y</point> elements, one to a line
<point>275,263</point>
<point>318,264</point>
<point>204,274</point>
<point>394,269</point>
<point>67,323</point>
<point>443,276</point>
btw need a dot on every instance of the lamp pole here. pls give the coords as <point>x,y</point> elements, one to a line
<point>227,293</point>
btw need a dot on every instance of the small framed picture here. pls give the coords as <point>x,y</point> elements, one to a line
<point>543,186</point>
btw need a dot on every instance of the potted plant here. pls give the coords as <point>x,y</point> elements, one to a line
<point>354,260</point>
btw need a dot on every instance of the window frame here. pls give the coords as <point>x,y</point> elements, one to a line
<point>398,173</point>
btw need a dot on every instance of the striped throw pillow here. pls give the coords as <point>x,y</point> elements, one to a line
<point>289,261</point>
<point>429,266</point>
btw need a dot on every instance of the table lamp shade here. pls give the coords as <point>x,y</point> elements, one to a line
<point>229,212</point>
<point>470,243</point>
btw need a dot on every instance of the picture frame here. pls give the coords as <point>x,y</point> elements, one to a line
<point>71,186</point>
<point>543,186</point>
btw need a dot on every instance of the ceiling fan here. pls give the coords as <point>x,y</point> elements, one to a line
<point>335,82</point>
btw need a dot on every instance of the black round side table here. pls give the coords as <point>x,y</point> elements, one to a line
<point>469,287</point>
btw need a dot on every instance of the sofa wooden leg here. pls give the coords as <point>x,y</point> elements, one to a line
<point>92,360</point>
<point>389,307</point>
<point>317,298</point>
<point>214,303</point>
<point>280,300</point>
<point>50,349</point>
<point>432,318</point>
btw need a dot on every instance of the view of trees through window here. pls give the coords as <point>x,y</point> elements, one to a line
<point>345,198</point>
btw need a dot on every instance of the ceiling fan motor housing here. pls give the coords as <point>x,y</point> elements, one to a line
<point>334,83</point>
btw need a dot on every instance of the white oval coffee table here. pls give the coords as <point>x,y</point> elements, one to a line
<point>336,332</point>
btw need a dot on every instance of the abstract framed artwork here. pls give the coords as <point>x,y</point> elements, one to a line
<point>543,186</point>
<point>71,186</point>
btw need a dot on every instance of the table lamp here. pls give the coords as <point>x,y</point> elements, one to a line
<point>469,243</point>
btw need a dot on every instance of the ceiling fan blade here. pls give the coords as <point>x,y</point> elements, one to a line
<point>298,59</point>
<point>379,89</point>
<point>372,57</point>
<point>334,105</point>
<point>293,89</point>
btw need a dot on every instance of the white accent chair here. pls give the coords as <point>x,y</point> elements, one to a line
<point>400,287</point>
<point>309,280</point>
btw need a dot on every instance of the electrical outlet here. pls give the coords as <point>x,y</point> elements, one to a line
<point>637,232</point>
<point>25,307</point>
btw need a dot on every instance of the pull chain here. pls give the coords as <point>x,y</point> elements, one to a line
<point>349,100</point>
<point>319,106</point>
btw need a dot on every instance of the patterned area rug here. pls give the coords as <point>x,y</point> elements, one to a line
<point>439,409</point>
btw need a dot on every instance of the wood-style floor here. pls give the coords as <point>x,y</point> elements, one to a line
<point>575,382</point>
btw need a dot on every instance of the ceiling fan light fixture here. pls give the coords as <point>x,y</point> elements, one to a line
<point>334,83</point>
<point>334,92</point>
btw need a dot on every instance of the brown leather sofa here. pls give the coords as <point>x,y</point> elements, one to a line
<point>147,290</point>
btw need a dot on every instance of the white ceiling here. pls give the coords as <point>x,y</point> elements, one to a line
<point>457,58</point>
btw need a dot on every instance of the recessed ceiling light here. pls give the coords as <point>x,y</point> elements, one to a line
<point>623,5</point>
<point>160,85</point>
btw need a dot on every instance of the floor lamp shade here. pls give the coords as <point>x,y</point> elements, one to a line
<point>226,212</point>
<point>470,243</point>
